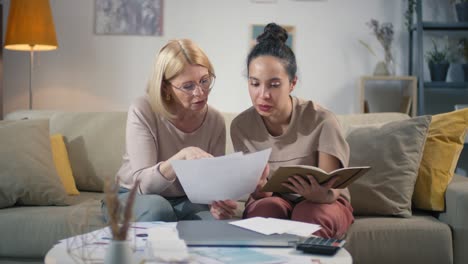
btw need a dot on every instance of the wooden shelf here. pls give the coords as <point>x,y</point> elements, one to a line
<point>408,102</point>
<point>388,78</point>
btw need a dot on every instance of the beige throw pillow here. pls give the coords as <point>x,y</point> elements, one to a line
<point>27,171</point>
<point>95,145</point>
<point>394,151</point>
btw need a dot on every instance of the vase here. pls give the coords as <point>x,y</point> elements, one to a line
<point>387,66</point>
<point>389,62</point>
<point>438,71</point>
<point>118,252</point>
<point>381,69</point>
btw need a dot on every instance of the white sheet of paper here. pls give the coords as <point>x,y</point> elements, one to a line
<point>294,227</point>
<point>268,226</point>
<point>257,224</point>
<point>220,178</point>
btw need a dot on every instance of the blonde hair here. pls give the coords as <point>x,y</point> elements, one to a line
<point>170,62</point>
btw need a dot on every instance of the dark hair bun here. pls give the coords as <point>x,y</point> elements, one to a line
<point>273,32</point>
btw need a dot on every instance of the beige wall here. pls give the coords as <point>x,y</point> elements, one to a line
<point>96,72</point>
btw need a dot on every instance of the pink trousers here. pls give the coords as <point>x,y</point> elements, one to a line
<point>334,218</point>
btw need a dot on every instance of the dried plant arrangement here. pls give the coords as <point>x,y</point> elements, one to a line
<point>119,215</point>
<point>384,34</point>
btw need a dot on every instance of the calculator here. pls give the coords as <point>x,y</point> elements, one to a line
<point>320,245</point>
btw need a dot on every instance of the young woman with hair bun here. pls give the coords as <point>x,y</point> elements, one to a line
<point>300,132</point>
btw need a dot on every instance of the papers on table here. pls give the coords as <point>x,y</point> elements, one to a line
<point>233,255</point>
<point>137,235</point>
<point>221,178</point>
<point>268,226</point>
<point>91,248</point>
<point>141,235</point>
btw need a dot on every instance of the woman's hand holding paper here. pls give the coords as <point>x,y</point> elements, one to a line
<point>223,209</point>
<point>258,193</point>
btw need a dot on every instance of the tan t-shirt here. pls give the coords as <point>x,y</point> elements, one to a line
<point>312,129</point>
<point>151,139</point>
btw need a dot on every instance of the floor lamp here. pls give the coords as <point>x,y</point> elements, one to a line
<point>30,27</point>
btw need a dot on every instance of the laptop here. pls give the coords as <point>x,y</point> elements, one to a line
<point>214,233</point>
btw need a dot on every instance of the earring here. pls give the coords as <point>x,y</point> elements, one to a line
<point>168,97</point>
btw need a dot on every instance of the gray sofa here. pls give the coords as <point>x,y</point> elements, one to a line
<point>95,144</point>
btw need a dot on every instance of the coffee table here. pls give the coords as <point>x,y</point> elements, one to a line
<point>58,254</point>
<point>67,251</point>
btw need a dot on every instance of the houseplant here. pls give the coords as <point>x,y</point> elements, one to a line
<point>410,10</point>
<point>438,63</point>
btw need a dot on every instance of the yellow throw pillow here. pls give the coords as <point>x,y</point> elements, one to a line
<point>62,164</point>
<point>443,146</point>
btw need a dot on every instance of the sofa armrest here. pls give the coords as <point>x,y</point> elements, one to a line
<point>456,216</point>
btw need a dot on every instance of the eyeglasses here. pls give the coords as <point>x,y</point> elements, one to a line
<point>206,83</point>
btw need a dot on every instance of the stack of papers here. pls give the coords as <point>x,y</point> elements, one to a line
<point>269,226</point>
<point>221,178</point>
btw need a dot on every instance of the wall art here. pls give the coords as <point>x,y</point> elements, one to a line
<point>128,17</point>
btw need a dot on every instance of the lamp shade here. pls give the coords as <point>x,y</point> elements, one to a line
<point>30,26</point>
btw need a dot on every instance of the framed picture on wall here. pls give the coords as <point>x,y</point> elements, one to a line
<point>128,17</point>
<point>257,30</point>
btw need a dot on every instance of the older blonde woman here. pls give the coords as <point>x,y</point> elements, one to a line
<point>171,122</point>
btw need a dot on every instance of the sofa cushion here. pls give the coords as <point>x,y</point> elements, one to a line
<point>456,216</point>
<point>347,121</point>
<point>95,144</point>
<point>419,239</point>
<point>62,164</point>
<point>444,144</point>
<point>33,230</point>
<point>393,151</point>
<point>27,171</point>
